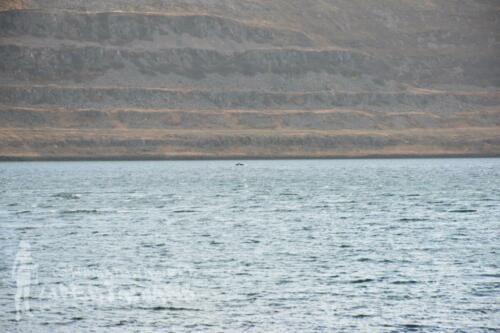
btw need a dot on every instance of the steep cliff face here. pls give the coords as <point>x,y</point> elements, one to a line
<point>165,79</point>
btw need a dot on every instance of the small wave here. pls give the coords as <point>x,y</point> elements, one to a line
<point>153,245</point>
<point>26,228</point>
<point>414,327</point>
<point>321,206</point>
<point>405,282</point>
<point>490,275</point>
<point>284,281</point>
<point>364,259</point>
<point>80,211</point>
<point>184,211</point>
<point>67,196</point>
<point>46,206</point>
<point>463,211</point>
<point>169,308</point>
<point>122,323</point>
<point>252,241</point>
<point>346,202</point>
<point>362,316</point>
<point>361,281</point>
<point>406,219</point>
<point>118,324</point>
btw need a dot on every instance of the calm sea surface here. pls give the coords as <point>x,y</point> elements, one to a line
<point>271,246</point>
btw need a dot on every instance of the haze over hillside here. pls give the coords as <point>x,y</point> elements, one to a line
<point>261,78</point>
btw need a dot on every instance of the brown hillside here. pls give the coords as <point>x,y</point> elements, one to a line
<point>310,78</point>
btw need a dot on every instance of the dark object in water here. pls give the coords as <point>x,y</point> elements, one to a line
<point>240,164</point>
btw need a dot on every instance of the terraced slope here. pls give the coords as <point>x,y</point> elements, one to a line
<point>202,79</point>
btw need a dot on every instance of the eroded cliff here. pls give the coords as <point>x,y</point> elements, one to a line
<point>168,79</point>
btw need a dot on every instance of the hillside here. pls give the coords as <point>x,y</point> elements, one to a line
<point>220,79</point>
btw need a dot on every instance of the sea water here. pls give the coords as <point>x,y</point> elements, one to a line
<point>268,246</point>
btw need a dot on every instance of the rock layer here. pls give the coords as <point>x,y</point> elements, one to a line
<point>203,79</point>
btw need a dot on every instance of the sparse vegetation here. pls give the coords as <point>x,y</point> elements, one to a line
<point>330,78</point>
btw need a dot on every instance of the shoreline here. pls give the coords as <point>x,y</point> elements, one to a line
<point>125,158</point>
